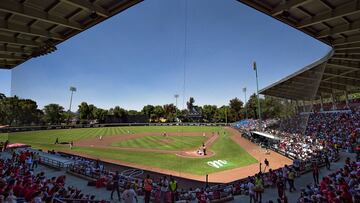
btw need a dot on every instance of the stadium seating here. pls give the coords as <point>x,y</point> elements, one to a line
<point>340,186</point>
<point>18,183</point>
<point>325,135</point>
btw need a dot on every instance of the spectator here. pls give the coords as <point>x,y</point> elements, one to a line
<point>115,183</point>
<point>315,172</point>
<point>291,178</point>
<point>129,195</point>
<point>259,187</point>
<point>147,188</point>
<point>280,187</point>
<point>164,186</point>
<point>251,187</point>
<point>173,189</point>
<point>266,162</point>
<point>36,159</point>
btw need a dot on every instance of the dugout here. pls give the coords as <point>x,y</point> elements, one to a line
<point>265,139</point>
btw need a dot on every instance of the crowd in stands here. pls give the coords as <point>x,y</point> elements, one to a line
<point>318,142</point>
<point>325,134</point>
<point>342,186</point>
<point>19,182</point>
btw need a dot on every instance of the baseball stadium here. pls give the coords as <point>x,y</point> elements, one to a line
<point>295,138</point>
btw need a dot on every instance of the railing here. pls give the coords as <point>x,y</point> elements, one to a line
<point>129,175</point>
<point>76,169</point>
<point>132,173</point>
<point>69,200</point>
<point>53,163</point>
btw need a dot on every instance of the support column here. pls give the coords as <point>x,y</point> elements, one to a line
<point>333,101</point>
<point>321,104</point>
<point>347,99</point>
<point>312,106</point>
<point>303,105</point>
<point>297,107</point>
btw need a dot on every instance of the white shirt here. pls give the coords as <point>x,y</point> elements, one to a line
<point>164,185</point>
<point>129,196</point>
<point>251,188</point>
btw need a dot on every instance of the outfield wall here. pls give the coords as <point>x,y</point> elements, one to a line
<point>54,127</point>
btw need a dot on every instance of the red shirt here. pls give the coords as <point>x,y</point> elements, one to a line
<point>18,190</point>
<point>346,197</point>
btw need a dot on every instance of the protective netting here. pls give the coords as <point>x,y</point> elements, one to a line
<point>291,128</point>
<point>295,113</point>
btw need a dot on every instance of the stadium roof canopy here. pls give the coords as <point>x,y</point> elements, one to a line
<point>334,22</point>
<point>31,28</point>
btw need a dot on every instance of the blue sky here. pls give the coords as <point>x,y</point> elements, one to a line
<point>137,57</point>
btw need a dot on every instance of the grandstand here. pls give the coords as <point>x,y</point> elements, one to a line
<point>31,29</point>
<point>336,23</point>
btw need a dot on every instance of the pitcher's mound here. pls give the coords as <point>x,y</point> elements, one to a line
<point>195,154</point>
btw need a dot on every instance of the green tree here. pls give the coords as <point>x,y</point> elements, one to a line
<point>28,112</point>
<point>252,106</point>
<point>222,114</point>
<point>209,112</point>
<point>2,96</point>
<point>148,110</point>
<point>53,113</point>
<point>119,112</point>
<point>169,112</point>
<point>84,111</point>
<point>11,110</point>
<point>271,107</point>
<point>236,106</point>
<point>69,116</point>
<point>100,114</point>
<point>133,112</point>
<point>92,110</point>
<point>15,111</point>
<point>158,112</point>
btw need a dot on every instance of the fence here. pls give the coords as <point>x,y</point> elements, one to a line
<point>54,127</point>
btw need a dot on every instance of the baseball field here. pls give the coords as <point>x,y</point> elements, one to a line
<point>165,149</point>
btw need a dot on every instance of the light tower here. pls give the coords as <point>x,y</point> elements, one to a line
<point>257,93</point>
<point>176,99</point>
<point>246,115</point>
<point>72,90</point>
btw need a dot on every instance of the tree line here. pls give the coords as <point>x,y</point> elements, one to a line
<point>15,111</point>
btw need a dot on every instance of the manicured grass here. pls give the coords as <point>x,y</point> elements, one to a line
<point>41,138</point>
<point>161,142</point>
<point>224,147</point>
<point>3,137</point>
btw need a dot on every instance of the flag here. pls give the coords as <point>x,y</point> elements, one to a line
<point>254,65</point>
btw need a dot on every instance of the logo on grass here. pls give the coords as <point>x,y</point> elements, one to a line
<point>217,163</point>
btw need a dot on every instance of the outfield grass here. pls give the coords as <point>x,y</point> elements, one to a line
<point>164,143</point>
<point>44,138</point>
<point>3,137</point>
<point>224,147</point>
